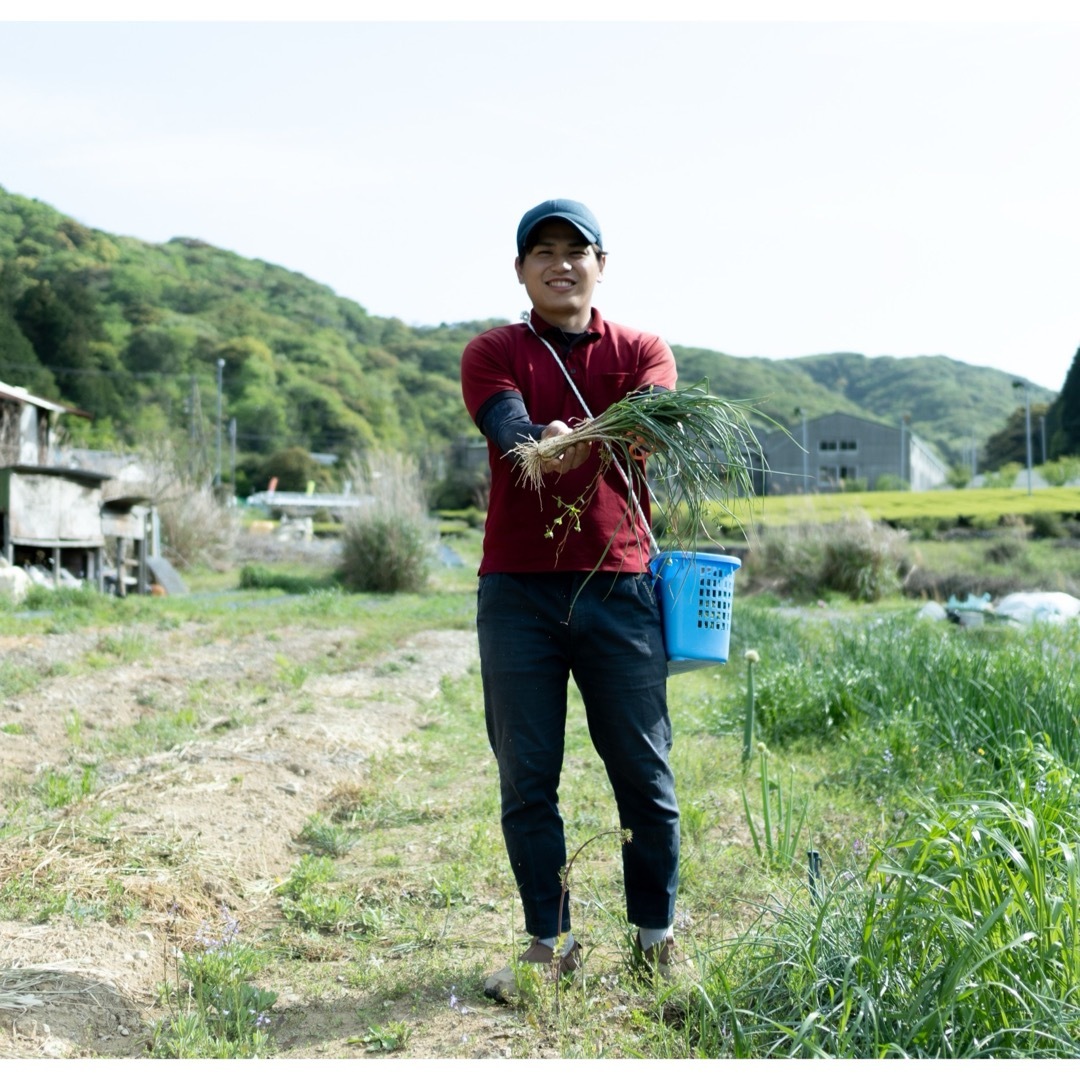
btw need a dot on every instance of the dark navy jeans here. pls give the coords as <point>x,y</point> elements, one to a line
<point>531,642</point>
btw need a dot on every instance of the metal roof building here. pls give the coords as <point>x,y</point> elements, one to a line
<point>829,452</point>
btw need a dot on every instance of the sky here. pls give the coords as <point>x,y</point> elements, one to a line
<point>766,186</point>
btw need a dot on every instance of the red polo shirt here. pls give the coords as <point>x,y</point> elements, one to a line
<point>608,363</point>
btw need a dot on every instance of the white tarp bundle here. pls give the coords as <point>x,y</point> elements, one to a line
<point>1029,607</point>
<point>1021,607</point>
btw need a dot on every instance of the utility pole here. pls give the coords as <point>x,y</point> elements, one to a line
<point>903,419</point>
<point>1017,383</point>
<point>220,373</point>
<point>232,451</point>
<point>800,411</point>
<point>197,459</point>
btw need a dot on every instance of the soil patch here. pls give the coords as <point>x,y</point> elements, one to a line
<point>211,820</point>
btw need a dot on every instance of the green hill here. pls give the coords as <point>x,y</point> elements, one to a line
<point>947,402</point>
<point>132,332</point>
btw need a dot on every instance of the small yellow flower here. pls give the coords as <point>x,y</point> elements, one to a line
<point>751,656</point>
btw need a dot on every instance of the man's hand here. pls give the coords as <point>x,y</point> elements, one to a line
<point>570,458</point>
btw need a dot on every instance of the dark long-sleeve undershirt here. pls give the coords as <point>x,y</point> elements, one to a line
<point>504,419</point>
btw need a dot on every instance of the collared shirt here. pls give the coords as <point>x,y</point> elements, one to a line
<point>531,531</point>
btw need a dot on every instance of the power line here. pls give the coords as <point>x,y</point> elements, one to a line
<point>100,374</point>
<point>242,437</point>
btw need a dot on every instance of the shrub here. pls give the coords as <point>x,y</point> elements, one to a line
<point>941,584</point>
<point>863,559</point>
<point>1005,551</point>
<point>1005,477</point>
<point>460,491</point>
<point>1060,472</point>
<point>195,527</point>
<point>385,554</point>
<point>890,482</point>
<point>959,476</point>
<point>294,469</point>
<point>785,559</point>
<point>1047,526</point>
<point>387,544</point>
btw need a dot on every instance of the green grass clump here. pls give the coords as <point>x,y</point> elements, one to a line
<point>327,837</point>
<point>924,684</point>
<point>42,598</point>
<point>383,553</point>
<point>215,1012</point>
<point>17,678</point>
<point>126,647</point>
<point>1048,526</point>
<point>254,576</point>
<point>57,788</point>
<point>961,939</point>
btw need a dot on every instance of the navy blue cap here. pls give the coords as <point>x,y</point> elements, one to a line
<point>578,214</point>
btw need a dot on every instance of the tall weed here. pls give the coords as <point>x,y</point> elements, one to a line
<point>960,940</point>
<point>858,558</point>
<point>961,690</point>
<point>387,544</point>
<point>863,559</point>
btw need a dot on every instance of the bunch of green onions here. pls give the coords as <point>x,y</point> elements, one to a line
<point>703,450</point>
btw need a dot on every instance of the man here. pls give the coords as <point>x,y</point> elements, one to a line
<point>562,594</point>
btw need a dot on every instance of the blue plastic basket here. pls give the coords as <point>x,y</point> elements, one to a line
<point>694,591</point>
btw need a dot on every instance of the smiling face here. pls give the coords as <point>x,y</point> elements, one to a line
<point>559,271</point>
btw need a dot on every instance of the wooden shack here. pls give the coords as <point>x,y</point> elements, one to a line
<point>28,427</point>
<point>51,518</point>
<point>128,523</point>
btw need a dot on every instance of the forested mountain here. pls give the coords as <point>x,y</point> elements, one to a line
<point>949,403</point>
<point>132,332</point>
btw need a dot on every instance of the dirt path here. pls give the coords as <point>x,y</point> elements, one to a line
<point>209,821</point>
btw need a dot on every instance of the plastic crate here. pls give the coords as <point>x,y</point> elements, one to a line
<point>694,591</point>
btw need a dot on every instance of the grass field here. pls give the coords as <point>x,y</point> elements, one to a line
<point>983,507</point>
<point>325,895</point>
